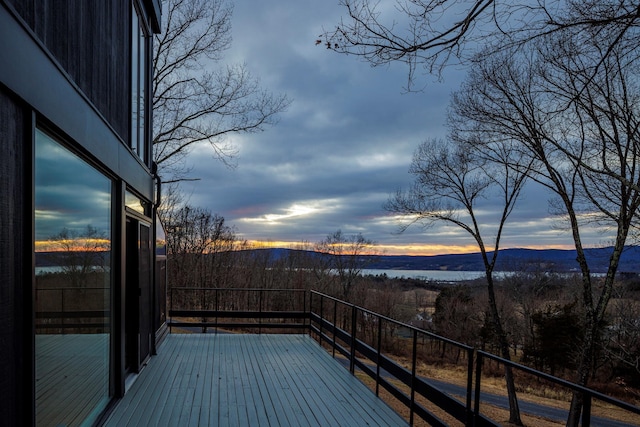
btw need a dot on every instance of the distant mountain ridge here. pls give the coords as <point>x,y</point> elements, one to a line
<point>508,260</point>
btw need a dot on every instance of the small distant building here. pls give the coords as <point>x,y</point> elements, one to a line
<point>78,195</point>
<point>422,320</point>
<point>423,317</point>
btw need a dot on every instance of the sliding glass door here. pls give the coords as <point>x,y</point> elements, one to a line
<point>73,217</point>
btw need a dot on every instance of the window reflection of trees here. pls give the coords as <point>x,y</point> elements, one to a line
<point>72,285</point>
<point>79,253</point>
<point>72,296</point>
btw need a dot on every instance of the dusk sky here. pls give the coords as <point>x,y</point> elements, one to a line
<point>342,147</point>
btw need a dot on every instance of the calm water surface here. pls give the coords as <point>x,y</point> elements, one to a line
<point>440,275</point>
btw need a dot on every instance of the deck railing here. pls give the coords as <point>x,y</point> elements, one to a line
<point>65,310</point>
<point>251,309</point>
<point>588,395</point>
<point>389,352</point>
<point>369,341</point>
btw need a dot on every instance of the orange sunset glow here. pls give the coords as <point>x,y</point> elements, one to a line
<point>73,245</point>
<point>412,249</point>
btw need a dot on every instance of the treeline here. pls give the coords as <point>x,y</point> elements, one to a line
<point>205,252</point>
<point>542,311</point>
<point>543,318</point>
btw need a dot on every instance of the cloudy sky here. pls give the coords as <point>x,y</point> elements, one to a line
<point>69,195</point>
<point>343,146</point>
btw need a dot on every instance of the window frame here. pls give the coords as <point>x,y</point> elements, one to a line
<point>140,78</point>
<point>42,126</point>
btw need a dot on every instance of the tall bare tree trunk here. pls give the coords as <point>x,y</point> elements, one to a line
<point>514,408</point>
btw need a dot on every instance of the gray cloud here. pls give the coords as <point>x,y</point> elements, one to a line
<point>343,146</point>
<point>69,193</point>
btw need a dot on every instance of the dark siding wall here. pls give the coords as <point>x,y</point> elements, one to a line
<point>12,221</point>
<point>90,40</point>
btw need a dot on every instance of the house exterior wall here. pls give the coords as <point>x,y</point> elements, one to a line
<point>90,41</point>
<point>65,72</point>
<point>12,257</point>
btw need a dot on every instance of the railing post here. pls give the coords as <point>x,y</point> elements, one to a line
<point>304,310</point>
<point>171,309</point>
<point>586,410</point>
<point>260,310</point>
<point>476,403</point>
<point>335,323</point>
<point>414,359</point>
<point>217,319</point>
<point>352,356</point>
<point>203,307</point>
<point>378,356</point>
<point>469,385</point>
<point>321,321</point>
<point>62,310</point>
<point>310,309</point>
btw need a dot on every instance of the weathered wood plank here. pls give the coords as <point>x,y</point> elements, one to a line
<point>256,380</point>
<point>255,406</point>
<point>318,408</point>
<point>369,403</point>
<point>287,390</point>
<point>264,391</point>
<point>202,388</point>
<point>153,392</point>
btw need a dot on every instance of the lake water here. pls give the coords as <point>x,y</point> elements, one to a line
<point>439,275</point>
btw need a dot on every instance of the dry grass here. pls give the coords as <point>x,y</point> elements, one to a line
<point>496,414</point>
<point>499,415</point>
<point>542,394</point>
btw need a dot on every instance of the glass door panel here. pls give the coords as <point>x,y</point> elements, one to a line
<point>72,286</point>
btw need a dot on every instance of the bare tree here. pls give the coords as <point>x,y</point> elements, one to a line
<point>346,258</point>
<point>457,314</point>
<point>565,124</point>
<point>530,287</point>
<point>451,180</point>
<point>196,238</point>
<point>78,253</point>
<point>622,349</point>
<point>433,33</point>
<point>197,99</point>
<point>575,113</point>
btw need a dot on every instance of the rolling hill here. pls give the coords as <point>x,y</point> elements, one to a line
<point>508,260</point>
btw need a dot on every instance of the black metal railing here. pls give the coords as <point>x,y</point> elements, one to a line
<point>67,310</point>
<point>214,309</point>
<point>374,343</point>
<point>588,395</point>
<point>392,354</point>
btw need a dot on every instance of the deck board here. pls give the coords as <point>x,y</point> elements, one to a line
<point>268,385</point>
<point>252,380</point>
<point>307,384</point>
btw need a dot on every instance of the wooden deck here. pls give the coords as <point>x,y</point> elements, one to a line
<point>248,380</point>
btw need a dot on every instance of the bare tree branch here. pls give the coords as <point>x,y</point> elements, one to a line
<point>451,178</point>
<point>577,117</point>
<point>433,33</point>
<point>195,99</point>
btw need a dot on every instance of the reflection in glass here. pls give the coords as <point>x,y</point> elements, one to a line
<point>160,274</point>
<point>138,86</point>
<point>73,284</point>
<point>135,203</point>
